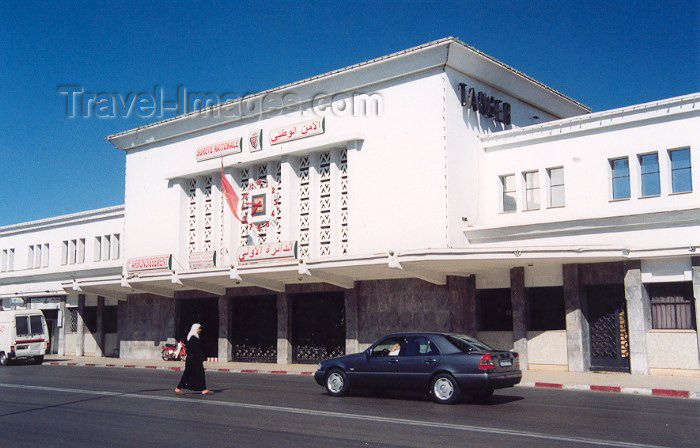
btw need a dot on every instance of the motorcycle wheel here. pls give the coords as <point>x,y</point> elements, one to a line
<point>165,356</point>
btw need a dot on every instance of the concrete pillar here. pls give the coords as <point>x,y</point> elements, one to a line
<point>284,329</point>
<point>352,343</point>
<point>225,346</point>
<point>638,317</point>
<point>80,333</point>
<point>696,293</point>
<point>99,328</point>
<point>62,322</point>
<point>470,309</point>
<point>578,343</point>
<point>456,292</point>
<point>517,300</point>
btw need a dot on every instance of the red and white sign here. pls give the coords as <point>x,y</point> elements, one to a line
<point>255,140</point>
<point>154,263</point>
<point>286,250</point>
<point>203,260</point>
<point>297,131</point>
<point>220,149</point>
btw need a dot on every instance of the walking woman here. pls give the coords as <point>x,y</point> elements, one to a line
<point>193,376</point>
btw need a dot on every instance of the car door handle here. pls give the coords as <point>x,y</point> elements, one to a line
<point>393,361</point>
<point>431,361</point>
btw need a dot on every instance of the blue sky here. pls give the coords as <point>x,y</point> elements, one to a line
<point>605,54</point>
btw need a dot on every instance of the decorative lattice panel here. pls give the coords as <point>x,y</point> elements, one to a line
<point>262,231</point>
<point>245,176</point>
<point>208,206</point>
<point>222,246</point>
<point>304,206</point>
<point>344,201</point>
<point>324,206</point>
<point>278,206</point>
<point>192,217</point>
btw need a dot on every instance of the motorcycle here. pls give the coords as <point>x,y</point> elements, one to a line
<point>174,352</point>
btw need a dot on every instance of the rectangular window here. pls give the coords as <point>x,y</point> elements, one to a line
<point>649,168</point>
<point>3,260</point>
<point>72,251</point>
<point>97,249</point>
<point>37,255</point>
<point>11,260</point>
<point>115,246</point>
<point>545,308</point>
<point>22,326</point>
<point>64,253</point>
<point>672,305</point>
<point>105,247</point>
<point>556,187</point>
<point>45,253</point>
<point>620,171</point>
<point>30,257</point>
<point>508,202</point>
<point>681,179</point>
<point>532,190</point>
<point>495,309</point>
<point>81,250</point>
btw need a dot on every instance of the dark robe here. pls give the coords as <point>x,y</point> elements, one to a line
<point>193,376</point>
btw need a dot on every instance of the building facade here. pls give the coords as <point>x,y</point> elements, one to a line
<point>432,189</point>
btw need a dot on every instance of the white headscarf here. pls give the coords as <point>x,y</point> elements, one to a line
<point>193,331</point>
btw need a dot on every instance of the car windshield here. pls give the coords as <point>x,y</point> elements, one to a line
<point>467,344</point>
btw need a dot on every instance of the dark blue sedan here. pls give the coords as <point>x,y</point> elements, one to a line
<point>442,363</point>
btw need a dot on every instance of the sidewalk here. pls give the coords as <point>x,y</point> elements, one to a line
<point>668,386</point>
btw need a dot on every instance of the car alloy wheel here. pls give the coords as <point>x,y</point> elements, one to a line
<point>336,383</point>
<point>445,389</point>
<point>4,360</point>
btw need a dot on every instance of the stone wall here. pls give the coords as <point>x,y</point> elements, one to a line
<point>146,321</point>
<point>386,306</point>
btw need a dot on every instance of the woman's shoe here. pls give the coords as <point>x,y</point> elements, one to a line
<point>207,392</point>
<point>178,391</point>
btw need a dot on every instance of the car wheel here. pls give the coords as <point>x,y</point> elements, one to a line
<point>4,360</point>
<point>39,360</point>
<point>444,389</point>
<point>337,383</point>
<point>482,395</point>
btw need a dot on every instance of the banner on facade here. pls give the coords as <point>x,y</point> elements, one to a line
<point>233,146</point>
<point>203,259</point>
<point>153,263</point>
<point>286,250</point>
<point>297,131</point>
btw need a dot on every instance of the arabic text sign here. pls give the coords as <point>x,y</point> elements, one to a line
<point>202,260</point>
<point>286,250</point>
<point>297,131</point>
<point>154,263</point>
<point>219,149</point>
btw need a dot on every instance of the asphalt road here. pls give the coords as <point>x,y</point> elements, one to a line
<point>45,406</point>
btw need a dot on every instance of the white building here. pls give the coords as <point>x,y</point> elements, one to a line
<point>432,189</point>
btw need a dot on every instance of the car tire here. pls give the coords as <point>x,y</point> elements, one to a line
<point>38,360</point>
<point>4,360</point>
<point>444,389</point>
<point>337,383</point>
<point>482,396</point>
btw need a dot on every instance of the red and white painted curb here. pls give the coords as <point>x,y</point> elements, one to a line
<point>541,385</point>
<point>615,389</point>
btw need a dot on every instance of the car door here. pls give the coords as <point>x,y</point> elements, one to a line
<point>417,361</point>
<point>379,370</point>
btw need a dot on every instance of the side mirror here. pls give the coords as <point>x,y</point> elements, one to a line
<point>368,354</point>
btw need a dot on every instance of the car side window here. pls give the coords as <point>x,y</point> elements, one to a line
<point>419,346</point>
<point>388,347</point>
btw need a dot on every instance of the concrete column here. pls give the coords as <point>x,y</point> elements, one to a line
<point>470,309</point>
<point>62,326</point>
<point>352,343</point>
<point>638,317</point>
<point>284,329</point>
<point>99,328</point>
<point>225,346</point>
<point>80,333</point>
<point>517,300</point>
<point>696,293</point>
<point>578,344</point>
<point>457,293</point>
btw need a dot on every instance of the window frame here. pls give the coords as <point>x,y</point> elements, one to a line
<point>612,177</point>
<point>537,193</point>
<point>642,174</point>
<point>671,169</point>
<point>503,191</point>
<point>550,187</point>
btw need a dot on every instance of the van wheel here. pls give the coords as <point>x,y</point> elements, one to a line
<point>4,360</point>
<point>38,360</point>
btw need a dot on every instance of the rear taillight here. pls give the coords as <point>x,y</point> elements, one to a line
<point>517,360</point>
<point>486,363</point>
<point>12,349</point>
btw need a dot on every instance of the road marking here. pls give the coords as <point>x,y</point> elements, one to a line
<point>340,415</point>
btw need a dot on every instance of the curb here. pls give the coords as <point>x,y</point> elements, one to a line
<point>539,385</point>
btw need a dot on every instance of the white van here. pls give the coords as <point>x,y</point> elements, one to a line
<point>23,335</point>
